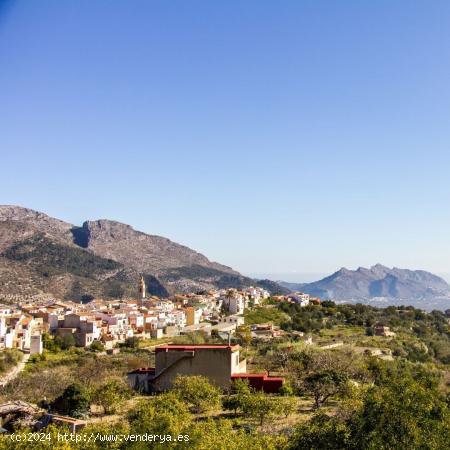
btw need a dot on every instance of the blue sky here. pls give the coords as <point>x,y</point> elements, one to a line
<point>274,136</point>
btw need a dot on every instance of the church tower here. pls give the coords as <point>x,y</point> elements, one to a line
<point>142,288</point>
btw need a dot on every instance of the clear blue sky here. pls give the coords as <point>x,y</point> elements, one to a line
<point>273,136</point>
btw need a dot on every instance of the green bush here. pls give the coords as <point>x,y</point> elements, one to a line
<point>74,401</point>
<point>97,346</point>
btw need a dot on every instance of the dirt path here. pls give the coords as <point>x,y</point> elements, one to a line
<point>5,379</point>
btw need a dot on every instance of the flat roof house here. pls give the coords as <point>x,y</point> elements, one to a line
<point>219,363</point>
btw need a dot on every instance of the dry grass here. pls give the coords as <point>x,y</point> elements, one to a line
<point>48,378</point>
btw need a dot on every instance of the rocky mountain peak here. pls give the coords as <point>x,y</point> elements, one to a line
<point>104,229</point>
<point>37,219</point>
<point>101,257</point>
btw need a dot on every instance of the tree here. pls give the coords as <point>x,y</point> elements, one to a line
<point>321,432</point>
<point>324,373</point>
<point>197,392</point>
<point>328,304</point>
<point>259,406</point>
<point>74,401</point>
<point>256,405</point>
<point>323,385</point>
<point>266,362</point>
<point>286,406</point>
<point>231,403</point>
<point>241,387</point>
<point>244,334</point>
<point>51,344</point>
<point>164,414</point>
<point>86,298</point>
<point>403,409</point>
<point>222,435</point>
<point>236,400</point>
<point>110,394</point>
<point>68,341</point>
<point>403,413</point>
<point>281,358</point>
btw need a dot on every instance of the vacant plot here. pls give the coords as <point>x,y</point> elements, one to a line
<point>47,378</point>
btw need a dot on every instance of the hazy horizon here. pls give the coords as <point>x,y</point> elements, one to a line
<point>271,137</point>
<point>295,277</point>
<point>291,276</point>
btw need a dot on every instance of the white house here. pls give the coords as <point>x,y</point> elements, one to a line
<point>236,304</point>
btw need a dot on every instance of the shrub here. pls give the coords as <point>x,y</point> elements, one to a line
<point>132,342</point>
<point>286,390</point>
<point>97,346</point>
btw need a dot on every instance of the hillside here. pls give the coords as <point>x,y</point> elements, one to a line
<point>43,256</point>
<point>36,263</point>
<point>381,285</point>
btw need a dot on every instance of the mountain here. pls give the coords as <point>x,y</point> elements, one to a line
<point>120,242</point>
<point>381,285</point>
<point>44,256</point>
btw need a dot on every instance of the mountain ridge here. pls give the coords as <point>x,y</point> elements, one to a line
<point>99,258</point>
<point>380,284</point>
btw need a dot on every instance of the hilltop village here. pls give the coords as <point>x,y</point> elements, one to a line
<point>112,322</point>
<point>263,370</point>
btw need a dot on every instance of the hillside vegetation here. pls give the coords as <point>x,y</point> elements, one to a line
<point>338,398</point>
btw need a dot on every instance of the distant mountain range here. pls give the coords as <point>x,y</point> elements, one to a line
<point>44,256</point>
<point>380,286</point>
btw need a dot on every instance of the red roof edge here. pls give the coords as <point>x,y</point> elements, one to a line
<point>143,370</point>
<point>195,347</point>
<point>264,376</point>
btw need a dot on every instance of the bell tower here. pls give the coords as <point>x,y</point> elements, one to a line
<point>142,288</point>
